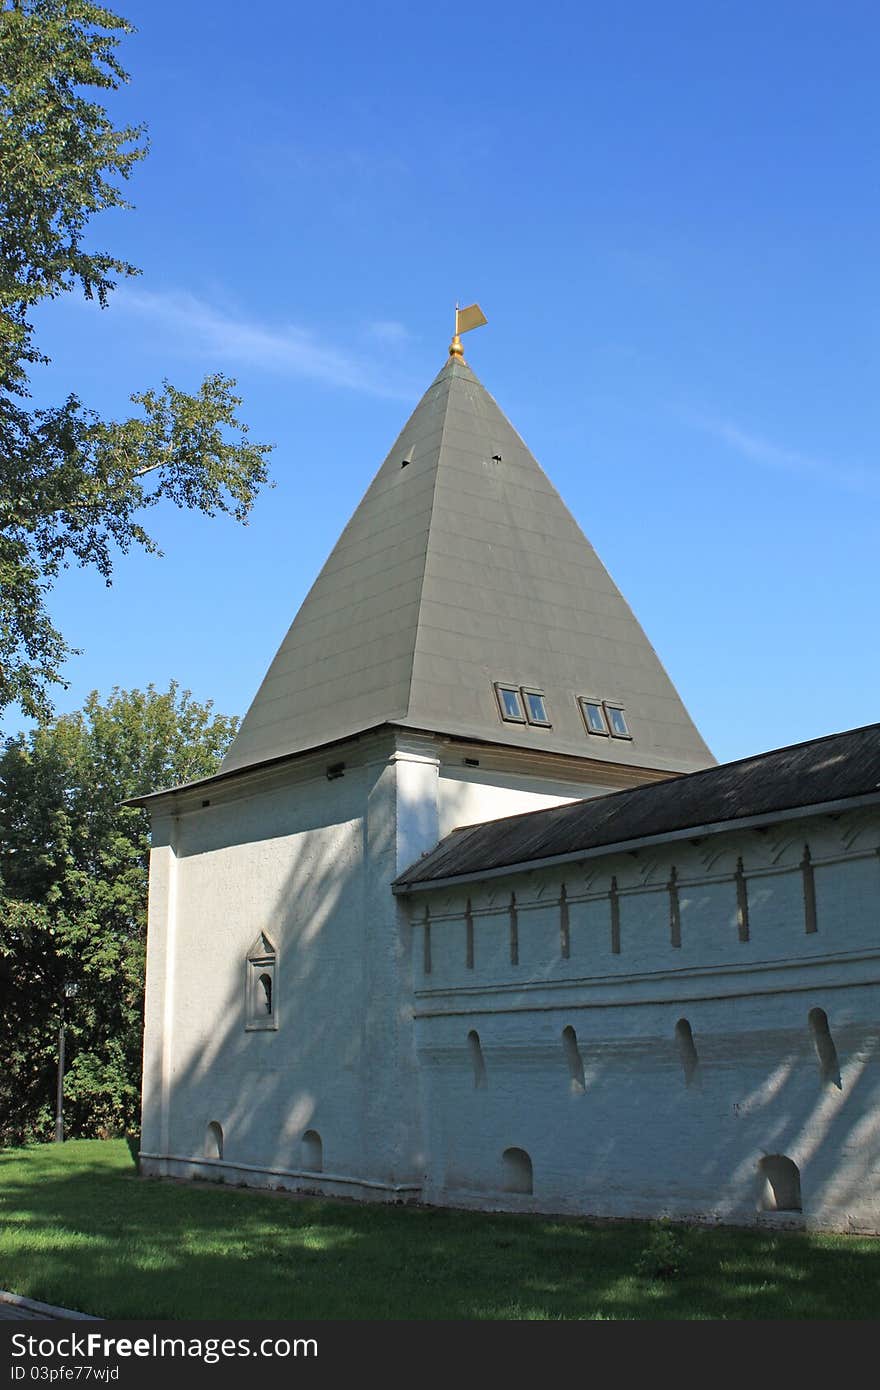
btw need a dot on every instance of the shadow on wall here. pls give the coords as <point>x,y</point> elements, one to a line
<point>250,1092</point>
<point>299,1098</point>
<point>716,1133</point>
<point>281,1071</point>
<point>703,1116</point>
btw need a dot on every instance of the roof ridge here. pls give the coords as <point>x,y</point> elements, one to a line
<point>449,378</point>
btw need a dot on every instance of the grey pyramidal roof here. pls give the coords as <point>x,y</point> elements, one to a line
<point>462,568</point>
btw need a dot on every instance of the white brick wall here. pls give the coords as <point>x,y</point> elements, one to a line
<point>371,1051</point>
<point>639,1140</point>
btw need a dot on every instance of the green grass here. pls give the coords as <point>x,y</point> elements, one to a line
<point>77,1227</point>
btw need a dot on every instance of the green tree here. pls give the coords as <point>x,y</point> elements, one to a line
<point>73,486</point>
<point>73,899</point>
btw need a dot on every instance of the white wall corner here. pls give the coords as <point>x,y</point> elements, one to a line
<point>159,994</point>
<point>418,805</point>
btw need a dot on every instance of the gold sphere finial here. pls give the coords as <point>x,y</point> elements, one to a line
<point>465,320</point>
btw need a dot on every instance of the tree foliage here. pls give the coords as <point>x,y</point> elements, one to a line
<point>73,897</point>
<point>74,486</point>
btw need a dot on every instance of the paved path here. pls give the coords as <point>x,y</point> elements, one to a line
<point>13,1308</point>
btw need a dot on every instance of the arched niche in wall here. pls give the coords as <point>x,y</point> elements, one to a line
<point>261,985</point>
<point>574,1060</point>
<point>264,992</point>
<point>214,1140</point>
<point>829,1066</point>
<point>478,1062</point>
<point>687,1051</point>
<point>517,1171</point>
<point>312,1151</point>
<point>780,1183</point>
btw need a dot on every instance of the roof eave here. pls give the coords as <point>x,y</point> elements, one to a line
<point>253,769</point>
<point>403,886</point>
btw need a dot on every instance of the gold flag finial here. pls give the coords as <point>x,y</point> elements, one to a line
<point>465,320</point>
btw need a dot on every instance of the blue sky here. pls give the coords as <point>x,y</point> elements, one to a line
<point>670,217</point>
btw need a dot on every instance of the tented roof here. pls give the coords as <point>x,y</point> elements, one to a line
<point>460,568</point>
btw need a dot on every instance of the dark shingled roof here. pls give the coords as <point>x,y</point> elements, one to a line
<point>830,769</point>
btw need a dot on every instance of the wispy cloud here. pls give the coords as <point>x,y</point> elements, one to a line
<point>289,350</point>
<point>764,451</point>
<point>389,331</point>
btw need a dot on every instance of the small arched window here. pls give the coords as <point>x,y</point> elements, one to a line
<point>780,1183</point>
<point>687,1051</point>
<point>574,1060</point>
<point>261,985</point>
<point>517,1171</point>
<point>477,1060</point>
<point>312,1151</point>
<point>214,1140</point>
<point>829,1066</point>
<point>265,993</point>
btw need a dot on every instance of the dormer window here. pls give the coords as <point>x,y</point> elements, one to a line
<point>536,710</point>
<point>603,717</point>
<point>510,703</point>
<point>616,721</point>
<point>594,716</point>
<point>520,704</point>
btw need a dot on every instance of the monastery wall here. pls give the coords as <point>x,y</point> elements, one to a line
<point>689,1030</point>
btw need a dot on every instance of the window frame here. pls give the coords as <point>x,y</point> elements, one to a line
<point>583,701</point>
<point>525,692</point>
<point>510,689</point>
<point>608,705</point>
<point>262,959</point>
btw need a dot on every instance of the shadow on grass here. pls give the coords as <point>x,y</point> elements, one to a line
<point>80,1229</point>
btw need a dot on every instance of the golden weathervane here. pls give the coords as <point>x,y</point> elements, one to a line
<point>465,320</point>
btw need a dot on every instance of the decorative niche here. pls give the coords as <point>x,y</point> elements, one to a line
<point>261,986</point>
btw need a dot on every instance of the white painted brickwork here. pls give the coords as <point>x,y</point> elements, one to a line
<point>309,863</point>
<point>371,1052</point>
<point>638,1139</point>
